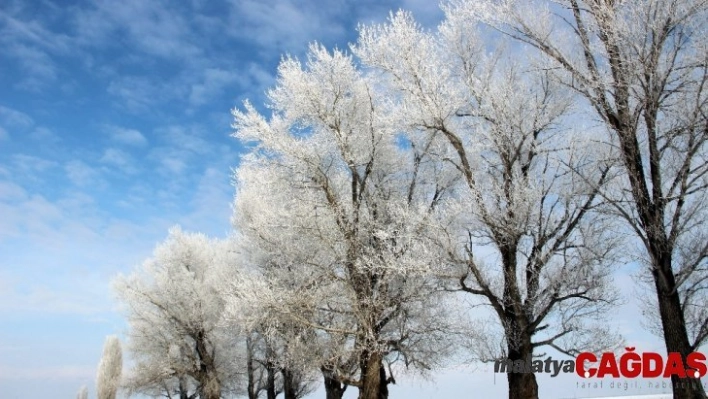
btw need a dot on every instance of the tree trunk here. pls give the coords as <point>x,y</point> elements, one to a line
<point>209,384</point>
<point>383,383</point>
<point>521,385</point>
<point>271,372</point>
<point>250,370</point>
<point>373,385</point>
<point>183,394</point>
<point>674,326</point>
<point>289,384</point>
<point>271,392</point>
<point>333,388</point>
<point>651,220</point>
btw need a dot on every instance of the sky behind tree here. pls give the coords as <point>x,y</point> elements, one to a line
<point>114,126</point>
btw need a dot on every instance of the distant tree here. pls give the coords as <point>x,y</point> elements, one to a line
<point>174,312</point>
<point>109,369</point>
<point>271,369</point>
<point>83,393</point>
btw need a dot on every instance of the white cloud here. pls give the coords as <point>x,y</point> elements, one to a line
<point>44,134</point>
<point>31,166</point>
<point>119,159</point>
<point>214,82</point>
<point>186,138</point>
<point>32,216</point>
<point>126,136</point>
<point>173,166</point>
<point>13,118</point>
<point>31,44</point>
<point>82,247</point>
<point>10,191</point>
<point>38,67</point>
<point>135,92</point>
<point>211,203</point>
<point>57,298</point>
<point>47,373</point>
<point>80,173</point>
<point>157,28</point>
<point>285,25</point>
<point>33,32</point>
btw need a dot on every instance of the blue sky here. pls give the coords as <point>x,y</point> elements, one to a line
<point>114,126</point>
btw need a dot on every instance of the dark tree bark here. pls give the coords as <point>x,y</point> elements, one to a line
<point>334,389</point>
<point>383,383</point>
<point>673,322</point>
<point>290,384</point>
<point>633,80</point>
<point>207,376</point>
<point>251,387</point>
<point>374,384</point>
<point>521,385</point>
<point>271,390</point>
<point>650,202</point>
<point>519,346</point>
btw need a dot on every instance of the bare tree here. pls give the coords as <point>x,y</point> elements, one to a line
<point>642,67</point>
<point>109,369</point>
<point>523,227</point>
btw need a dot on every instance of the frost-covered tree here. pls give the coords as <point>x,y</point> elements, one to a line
<point>283,356</point>
<point>83,393</point>
<point>176,339</point>
<point>339,209</point>
<point>641,66</point>
<point>270,366</point>
<point>521,226</point>
<point>110,369</point>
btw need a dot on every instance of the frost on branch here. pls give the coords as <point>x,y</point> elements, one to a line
<point>83,393</point>
<point>176,336</point>
<point>109,369</point>
<point>521,232</point>
<point>335,213</point>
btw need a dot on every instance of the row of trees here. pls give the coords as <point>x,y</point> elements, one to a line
<point>392,187</point>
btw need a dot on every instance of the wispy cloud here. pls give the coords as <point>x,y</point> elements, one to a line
<point>214,81</point>
<point>211,203</point>
<point>32,166</point>
<point>286,25</point>
<point>13,118</point>
<point>47,373</point>
<point>10,191</point>
<point>126,136</point>
<point>157,28</point>
<point>60,298</point>
<point>119,159</point>
<point>139,93</point>
<point>81,174</point>
<point>14,122</point>
<point>190,138</point>
<point>27,40</point>
<point>45,134</point>
<point>33,31</point>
